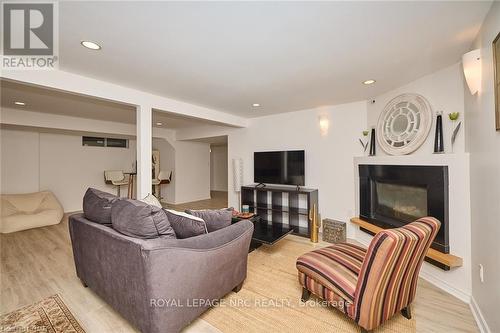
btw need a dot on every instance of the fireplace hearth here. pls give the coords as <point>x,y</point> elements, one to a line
<point>391,196</point>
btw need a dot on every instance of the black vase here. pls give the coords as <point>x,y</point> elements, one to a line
<point>372,143</point>
<point>438,138</point>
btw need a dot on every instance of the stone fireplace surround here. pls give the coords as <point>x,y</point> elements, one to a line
<point>458,280</point>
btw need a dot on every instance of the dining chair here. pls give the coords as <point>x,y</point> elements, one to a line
<point>116,178</point>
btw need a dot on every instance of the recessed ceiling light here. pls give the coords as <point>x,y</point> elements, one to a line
<point>367,82</point>
<point>90,45</point>
<point>255,105</point>
<point>159,123</point>
<point>20,103</point>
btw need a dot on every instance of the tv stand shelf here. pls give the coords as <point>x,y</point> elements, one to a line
<point>281,206</point>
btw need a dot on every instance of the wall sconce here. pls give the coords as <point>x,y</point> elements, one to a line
<point>324,124</point>
<point>471,62</point>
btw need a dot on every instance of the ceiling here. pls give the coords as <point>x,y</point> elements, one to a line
<point>213,140</point>
<point>284,55</point>
<point>39,99</point>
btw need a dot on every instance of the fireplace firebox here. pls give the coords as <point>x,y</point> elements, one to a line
<point>391,196</point>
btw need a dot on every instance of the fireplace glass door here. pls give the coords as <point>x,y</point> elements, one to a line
<point>400,202</point>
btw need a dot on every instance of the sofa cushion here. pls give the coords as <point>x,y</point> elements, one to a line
<point>186,225</point>
<point>138,219</point>
<point>151,200</point>
<point>97,205</point>
<point>214,218</point>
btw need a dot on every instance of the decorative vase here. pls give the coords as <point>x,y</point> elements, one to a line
<point>372,143</point>
<point>438,137</point>
<point>313,218</point>
<point>363,143</point>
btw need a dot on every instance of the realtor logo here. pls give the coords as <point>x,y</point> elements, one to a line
<point>29,36</point>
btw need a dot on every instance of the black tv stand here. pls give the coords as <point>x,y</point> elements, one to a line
<point>260,185</point>
<point>282,209</point>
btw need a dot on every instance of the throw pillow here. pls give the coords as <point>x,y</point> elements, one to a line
<point>138,219</point>
<point>97,205</point>
<point>151,200</point>
<point>214,218</point>
<point>186,225</point>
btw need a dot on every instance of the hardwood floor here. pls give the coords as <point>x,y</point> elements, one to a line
<point>38,263</point>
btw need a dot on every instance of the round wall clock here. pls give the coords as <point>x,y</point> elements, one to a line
<point>404,124</point>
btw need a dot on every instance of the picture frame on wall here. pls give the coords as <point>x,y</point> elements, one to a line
<point>496,66</point>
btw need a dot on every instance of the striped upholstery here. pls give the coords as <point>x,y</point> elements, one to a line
<point>376,283</point>
<point>332,273</point>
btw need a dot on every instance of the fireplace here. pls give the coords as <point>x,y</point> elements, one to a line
<point>391,196</point>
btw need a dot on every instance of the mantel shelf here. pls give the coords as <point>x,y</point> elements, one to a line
<point>446,259</point>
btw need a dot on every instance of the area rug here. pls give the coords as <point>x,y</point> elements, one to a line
<point>270,299</point>
<point>50,315</point>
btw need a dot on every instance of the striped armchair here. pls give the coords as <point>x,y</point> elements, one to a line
<point>370,285</point>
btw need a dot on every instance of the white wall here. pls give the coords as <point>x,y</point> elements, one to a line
<point>483,143</point>
<point>218,168</point>
<point>67,168</point>
<point>328,159</point>
<point>167,164</point>
<point>19,162</point>
<point>444,91</point>
<point>33,161</point>
<point>192,171</point>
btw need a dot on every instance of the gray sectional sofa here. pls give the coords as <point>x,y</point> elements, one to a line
<point>160,284</point>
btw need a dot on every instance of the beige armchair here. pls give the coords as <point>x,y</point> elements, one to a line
<point>31,210</point>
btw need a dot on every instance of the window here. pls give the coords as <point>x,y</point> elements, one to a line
<point>93,141</point>
<point>104,142</point>
<point>119,143</point>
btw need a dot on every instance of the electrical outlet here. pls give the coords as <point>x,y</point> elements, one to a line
<point>481,273</point>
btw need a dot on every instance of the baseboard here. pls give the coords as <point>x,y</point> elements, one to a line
<point>443,285</point>
<point>478,316</point>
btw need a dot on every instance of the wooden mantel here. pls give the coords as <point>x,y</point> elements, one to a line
<point>446,259</point>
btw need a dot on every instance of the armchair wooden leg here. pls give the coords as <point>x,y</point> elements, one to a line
<point>238,287</point>
<point>305,295</point>
<point>406,312</point>
<point>365,331</point>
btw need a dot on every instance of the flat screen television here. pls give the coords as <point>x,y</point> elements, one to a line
<point>279,167</point>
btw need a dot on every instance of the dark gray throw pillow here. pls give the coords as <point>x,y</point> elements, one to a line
<point>186,225</point>
<point>138,219</point>
<point>97,205</point>
<point>214,218</point>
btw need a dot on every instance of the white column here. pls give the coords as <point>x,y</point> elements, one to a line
<point>144,150</point>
